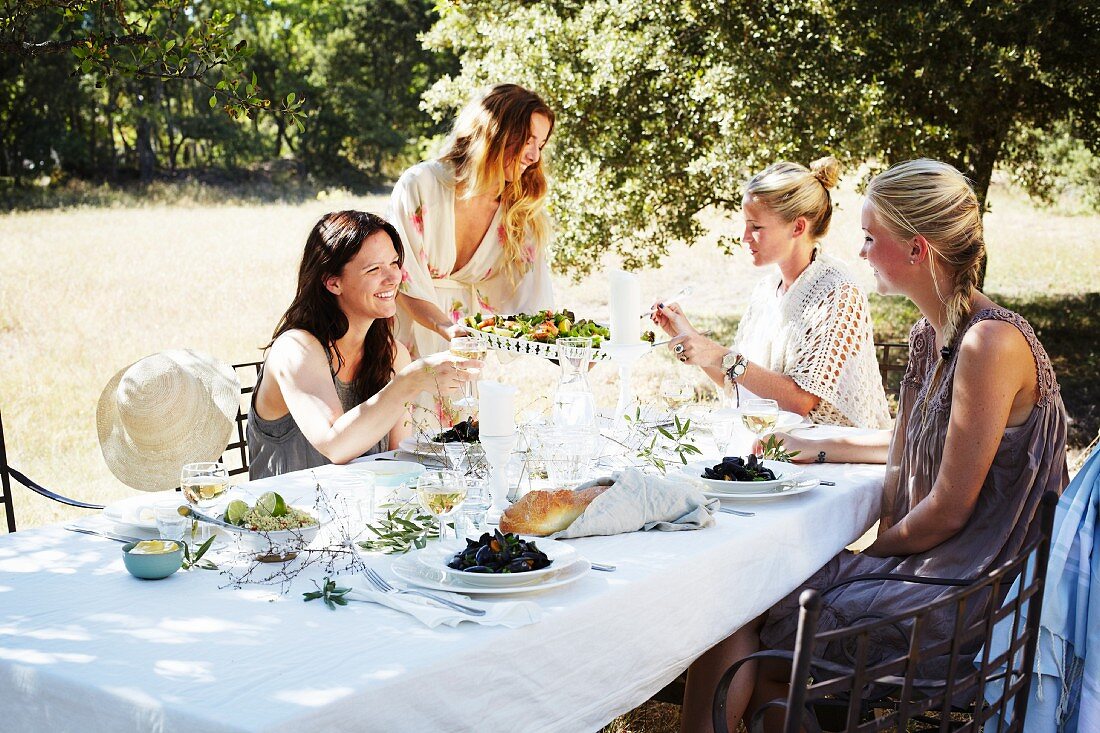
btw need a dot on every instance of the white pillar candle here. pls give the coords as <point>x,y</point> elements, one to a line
<point>626,307</point>
<point>496,408</point>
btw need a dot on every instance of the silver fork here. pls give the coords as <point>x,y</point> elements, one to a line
<point>383,586</point>
<point>738,512</point>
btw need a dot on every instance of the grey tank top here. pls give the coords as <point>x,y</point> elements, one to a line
<point>278,446</point>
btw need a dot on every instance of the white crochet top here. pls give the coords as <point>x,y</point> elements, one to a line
<point>819,334</point>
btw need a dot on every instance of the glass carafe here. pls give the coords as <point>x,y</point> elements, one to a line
<point>574,405</point>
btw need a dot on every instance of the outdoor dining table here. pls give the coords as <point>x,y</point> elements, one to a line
<point>84,646</point>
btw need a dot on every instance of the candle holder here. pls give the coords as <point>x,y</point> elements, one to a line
<point>624,356</point>
<point>498,451</point>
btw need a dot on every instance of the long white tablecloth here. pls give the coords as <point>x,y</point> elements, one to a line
<point>84,646</point>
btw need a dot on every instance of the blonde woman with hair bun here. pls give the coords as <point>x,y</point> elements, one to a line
<point>980,436</point>
<point>805,339</point>
<point>474,222</point>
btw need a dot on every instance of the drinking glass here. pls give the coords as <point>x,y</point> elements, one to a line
<point>570,454</point>
<point>171,525</point>
<point>468,347</point>
<point>676,393</point>
<point>441,493</point>
<point>203,483</point>
<point>720,424</point>
<point>470,520</point>
<point>760,416</point>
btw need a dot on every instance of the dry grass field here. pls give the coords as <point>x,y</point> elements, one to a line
<point>84,292</point>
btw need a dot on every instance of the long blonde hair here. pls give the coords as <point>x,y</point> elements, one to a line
<point>934,200</point>
<point>792,190</point>
<point>488,133</point>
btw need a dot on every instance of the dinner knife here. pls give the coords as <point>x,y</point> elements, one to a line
<point>102,533</point>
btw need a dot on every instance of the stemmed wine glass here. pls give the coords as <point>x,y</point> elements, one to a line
<point>760,416</point>
<point>441,493</point>
<point>203,483</point>
<point>468,347</point>
<point>676,393</point>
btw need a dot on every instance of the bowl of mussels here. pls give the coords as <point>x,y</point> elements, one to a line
<point>497,560</point>
<point>734,474</point>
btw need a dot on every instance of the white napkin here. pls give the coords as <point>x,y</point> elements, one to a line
<point>636,501</point>
<point>512,614</point>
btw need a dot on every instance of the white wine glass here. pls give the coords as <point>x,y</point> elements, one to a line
<point>468,347</point>
<point>441,494</point>
<point>760,416</point>
<point>204,483</point>
<point>676,393</point>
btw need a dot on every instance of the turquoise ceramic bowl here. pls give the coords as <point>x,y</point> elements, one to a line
<point>152,567</point>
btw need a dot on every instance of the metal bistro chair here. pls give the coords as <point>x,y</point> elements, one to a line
<point>7,473</point>
<point>235,456</point>
<point>874,694</point>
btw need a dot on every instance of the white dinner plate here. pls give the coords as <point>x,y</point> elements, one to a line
<point>414,572</point>
<point>387,473</point>
<point>560,555</point>
<point>137,511</point>
<point>784,473</point>
<point>776,493</point>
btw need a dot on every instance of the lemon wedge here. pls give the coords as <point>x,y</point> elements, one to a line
<point>154,547</point>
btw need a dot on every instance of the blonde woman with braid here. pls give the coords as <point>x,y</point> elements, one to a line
<point>805,339</point>
<point>980,435</point>
<point>474,221</point>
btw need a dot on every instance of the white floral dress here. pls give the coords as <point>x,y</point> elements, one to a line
<point>422,208</point>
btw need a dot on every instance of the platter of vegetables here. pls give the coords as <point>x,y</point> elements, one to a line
<point>537,333</point>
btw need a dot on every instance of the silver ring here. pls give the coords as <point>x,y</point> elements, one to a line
<point>683,357</point>
<point>678,348</point>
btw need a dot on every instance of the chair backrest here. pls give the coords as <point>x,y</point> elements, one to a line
<point>995,684</point>
<point>5,482</point>
<point>892,360</point>
<point>235,456</point>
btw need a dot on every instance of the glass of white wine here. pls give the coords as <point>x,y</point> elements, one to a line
<point>441,493</point>
<point>468,347</point>
<point>677,393</point>
<point>760,416</point>
<point>203,483</point>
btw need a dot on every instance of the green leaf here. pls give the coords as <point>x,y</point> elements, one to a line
<point>213,101</point>
<point>290,98</point>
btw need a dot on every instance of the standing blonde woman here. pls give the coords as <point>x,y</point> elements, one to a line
<point>980,436</point>
<point>805,339</point>
<point>474,221</point>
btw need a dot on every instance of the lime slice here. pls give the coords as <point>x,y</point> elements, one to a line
<point>235,512</point>
<point>271,505</point>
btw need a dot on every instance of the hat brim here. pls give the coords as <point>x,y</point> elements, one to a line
<point>158,469</point>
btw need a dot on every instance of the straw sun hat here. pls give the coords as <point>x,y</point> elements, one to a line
<point>164,411</point>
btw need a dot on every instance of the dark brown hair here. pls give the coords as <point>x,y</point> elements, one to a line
<point>334,241</point>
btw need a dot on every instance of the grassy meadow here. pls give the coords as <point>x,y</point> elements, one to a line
<point>86,291</point>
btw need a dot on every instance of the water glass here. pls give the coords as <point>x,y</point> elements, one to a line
<point>570,454</point>
<point>171,525</point>
<point>470,519</point>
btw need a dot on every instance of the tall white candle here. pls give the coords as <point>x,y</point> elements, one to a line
<point>496,408</point>
<point>626,307</point>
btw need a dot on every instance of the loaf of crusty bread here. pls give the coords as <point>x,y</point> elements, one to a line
<point>540,513</point>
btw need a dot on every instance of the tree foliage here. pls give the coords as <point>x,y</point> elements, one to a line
<point>665,106</point>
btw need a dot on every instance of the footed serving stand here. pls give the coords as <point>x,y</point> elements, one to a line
<point>498,451</point>
<point>625,356</point>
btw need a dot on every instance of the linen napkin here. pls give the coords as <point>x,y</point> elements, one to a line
<point>637,501</point>
<point>512,614</point>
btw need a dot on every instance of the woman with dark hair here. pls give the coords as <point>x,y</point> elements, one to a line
<point>335,384</point>
<point>474,220</point>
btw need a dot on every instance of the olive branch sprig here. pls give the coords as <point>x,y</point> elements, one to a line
<point>402,529</point>
<point>772,448</point>
<point>329,593</point>
<point>197,561</point>
<point>678,436</point>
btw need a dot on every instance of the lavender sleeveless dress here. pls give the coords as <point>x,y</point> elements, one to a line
<point>1030,461</point>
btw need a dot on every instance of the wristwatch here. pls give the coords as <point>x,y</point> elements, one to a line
<point>734,365</point>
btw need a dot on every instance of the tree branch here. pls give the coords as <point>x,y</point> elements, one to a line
<point>32,50</point>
